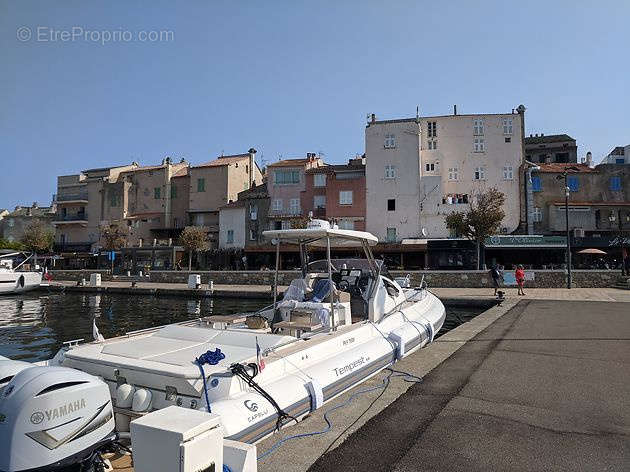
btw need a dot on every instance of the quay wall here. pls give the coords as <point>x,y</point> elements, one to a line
<point>443,278</point>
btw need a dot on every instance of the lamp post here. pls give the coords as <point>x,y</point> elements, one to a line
<point>566,216</point>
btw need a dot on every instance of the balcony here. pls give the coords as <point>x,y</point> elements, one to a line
<point>288,213</point>
<point>84,246</point>
<point>70,219</point>
<point>78,197</point>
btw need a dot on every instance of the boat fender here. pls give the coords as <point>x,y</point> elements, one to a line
<point>124,395</point>
<point>398,340</point>
<point>142,400</point>
<point>430,332</point>
<point>316,392</point>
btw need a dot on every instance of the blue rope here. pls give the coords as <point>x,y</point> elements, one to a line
<point>210,358</point>
<point>226,468</point>
<point>329,424</point>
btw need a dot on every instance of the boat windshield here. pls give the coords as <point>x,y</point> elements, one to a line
<point>321,265</point>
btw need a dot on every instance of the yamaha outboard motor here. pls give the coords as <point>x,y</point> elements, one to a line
<point>51,417</point>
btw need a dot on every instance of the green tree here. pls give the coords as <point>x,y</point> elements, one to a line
<point>113,238</point>
<point>37,238</point>
<point>481,220</point>
<point>15,245</point>
<point>194,238</point>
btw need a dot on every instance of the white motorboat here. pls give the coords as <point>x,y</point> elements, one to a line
<point>13,280</point>
<point>342,322</point>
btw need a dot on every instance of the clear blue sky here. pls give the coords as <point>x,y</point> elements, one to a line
<point>289,77</point>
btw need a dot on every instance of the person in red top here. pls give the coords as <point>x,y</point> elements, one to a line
<point>520,279</point>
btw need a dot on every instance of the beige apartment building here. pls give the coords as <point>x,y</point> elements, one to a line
<point>216,183</point>
<point>421,169</point>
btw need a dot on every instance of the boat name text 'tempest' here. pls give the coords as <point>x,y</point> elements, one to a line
<point>349,367</point>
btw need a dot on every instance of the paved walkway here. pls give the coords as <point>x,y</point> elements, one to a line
<point>545,387</point>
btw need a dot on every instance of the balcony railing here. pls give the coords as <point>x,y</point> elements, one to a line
<point>69,197</point>
<point>71,217</point>
<point>289,212</point>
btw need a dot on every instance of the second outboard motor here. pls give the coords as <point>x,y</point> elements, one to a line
<point>51,417</point>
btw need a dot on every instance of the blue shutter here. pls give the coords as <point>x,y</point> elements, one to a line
<point>573,183</point>
<point>536,184</point>
<point>615,183</point>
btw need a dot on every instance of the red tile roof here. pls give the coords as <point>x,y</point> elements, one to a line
<point>292,162</point>
<point>181,173</point>
<point>569,167</point>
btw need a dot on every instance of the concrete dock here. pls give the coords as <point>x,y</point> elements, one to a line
<point>531,385</point>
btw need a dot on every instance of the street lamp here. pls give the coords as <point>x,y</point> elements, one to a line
<point>567,190</point>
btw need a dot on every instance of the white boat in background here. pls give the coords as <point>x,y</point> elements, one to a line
<point>13,280</point>
<point>340,323</point>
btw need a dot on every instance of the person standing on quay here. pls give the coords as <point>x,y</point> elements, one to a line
<point>520,279</point>
<point>495,273</point>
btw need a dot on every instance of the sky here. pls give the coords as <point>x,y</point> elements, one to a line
<point>88,84</point>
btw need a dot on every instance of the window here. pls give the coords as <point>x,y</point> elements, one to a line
<point>538,215</point>
<point>391,204</point>
<point>201,185</point>
<point>508,139</point>
<point>390,172</point>
<point>157,193</point>
<point>620,160</point>
<point>346,224</point>
<point>199,219</point>
<point>277,204</point>
<point>253,212</point>
<point>615,183</point>
<point>508,173</point>
<point>478,127</point>
<point>286,177</point>
<point>319,201</point>
<point>294,206</point>
<point>432,144</point>
<point>286,224</point>
<point>230,236</point>
<point>430,167</point>
<point>573,183</point>
<point>432,129</point>
<point>452,173</point>
<point>480,173</point>
<point>173,191</point>
<point>252,235</point>
<point>391,235</point>
<point>319,180</point>
<point>480,145</point>
<point>115,200</point>
<point>345,197</point>
<point>390,141</point>
<point>536,183</point>
<point>507,126</point>
<point>12,222</point>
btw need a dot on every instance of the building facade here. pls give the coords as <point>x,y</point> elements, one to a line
<point>419,170</point>
<point>619,155</point>
<point>336,192</point>
<point>286,182</point>
<point>13,224</point>
<point>554,148</point>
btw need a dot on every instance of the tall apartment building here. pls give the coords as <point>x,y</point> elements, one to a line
<point>421,169</point>
<point>337,192</point>
<point>285,184</point>
<point>81,208</point>
<point>217,183</point>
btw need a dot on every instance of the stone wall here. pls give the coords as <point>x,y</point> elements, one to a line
<point>445,278</point>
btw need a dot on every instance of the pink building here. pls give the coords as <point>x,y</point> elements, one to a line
<point>286,183</point>
<point>337,192</point>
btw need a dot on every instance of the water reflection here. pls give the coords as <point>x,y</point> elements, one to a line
<point>33,327</point>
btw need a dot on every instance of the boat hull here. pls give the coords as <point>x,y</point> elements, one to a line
<point>18,282</point>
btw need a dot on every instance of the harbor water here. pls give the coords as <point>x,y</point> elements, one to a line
<point>34,326</point>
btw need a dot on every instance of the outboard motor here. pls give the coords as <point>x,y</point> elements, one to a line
<point>9,369</point>
<point>52,417</point>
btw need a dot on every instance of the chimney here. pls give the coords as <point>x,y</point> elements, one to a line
<point>542,134</point>
<point>531,135</point>
<point>34,205</point>
<point>373,117</point>
<point>252,161</point>
<point>589,158</point>
<point>455,110</point>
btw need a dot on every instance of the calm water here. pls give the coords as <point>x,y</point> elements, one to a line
<point>34,326</point>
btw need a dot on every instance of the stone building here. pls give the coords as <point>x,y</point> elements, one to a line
<point>13,224</point>
<point>599,205</point>
<point>337,192</point>
<point>619,155</point>
<point>546,149</point>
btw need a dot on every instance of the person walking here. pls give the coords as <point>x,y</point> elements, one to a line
<point>495,273</point>
<point>520,279</point>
